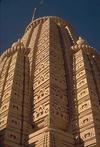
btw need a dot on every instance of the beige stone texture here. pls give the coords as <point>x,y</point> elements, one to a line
<point>50,88</point>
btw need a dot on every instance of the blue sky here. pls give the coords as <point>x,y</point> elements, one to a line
<point>83,15</point>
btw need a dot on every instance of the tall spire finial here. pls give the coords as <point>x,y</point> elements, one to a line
<point>35,9</point>
<point>34,12</point>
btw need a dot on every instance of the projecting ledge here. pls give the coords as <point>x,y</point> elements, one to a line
<point>51,134</point>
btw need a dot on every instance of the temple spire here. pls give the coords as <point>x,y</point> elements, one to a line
<point>35,9</point>
<point>34,12</point>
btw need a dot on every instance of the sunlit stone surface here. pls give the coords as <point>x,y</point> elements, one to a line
<point>50,88</point>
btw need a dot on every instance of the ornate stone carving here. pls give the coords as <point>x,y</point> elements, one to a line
<point>41,111</point>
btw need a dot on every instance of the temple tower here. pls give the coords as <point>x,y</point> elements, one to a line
<point>50,88</point>
<point>86,73</point>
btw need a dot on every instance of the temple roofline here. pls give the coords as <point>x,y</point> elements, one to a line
<point>43,19</point>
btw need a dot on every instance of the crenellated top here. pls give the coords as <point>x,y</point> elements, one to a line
<point>16,46</point>
<point>56,19</point>
<point>82,44</point>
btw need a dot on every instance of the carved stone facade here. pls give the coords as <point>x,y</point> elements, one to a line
<point>50,89</point>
